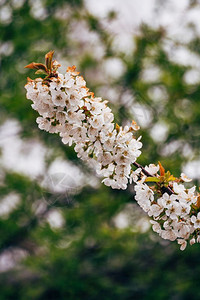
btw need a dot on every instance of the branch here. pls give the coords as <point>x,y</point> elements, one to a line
<point>164,189</point>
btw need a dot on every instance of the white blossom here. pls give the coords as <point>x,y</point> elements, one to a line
<point>196,220</point>
<point>185,178</point>
<point>58,97</point>
<point>183,244</point>
<point>152,169</point>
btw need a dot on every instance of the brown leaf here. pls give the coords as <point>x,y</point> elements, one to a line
<point>37,66</point>
<point>48,59</point>
<point>198,201</point>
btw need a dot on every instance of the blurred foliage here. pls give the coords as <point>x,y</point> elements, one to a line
<point>89,255</point>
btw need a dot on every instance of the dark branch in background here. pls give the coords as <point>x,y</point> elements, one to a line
<point>164,189</point>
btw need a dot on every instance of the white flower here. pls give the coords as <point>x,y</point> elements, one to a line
<point>145,204</point>
<point>183,229</point>
<point>46,98</point>
<point>107,115</point>
<point>121,158</point>
<point>92,133</point>
<point>96,107</point>
<point>134,146</point>
<point>105,171</point>
<point>123,169</point>
<point>134,126</point>
<point>108,140</point>
<point>56,83</point>
<point>192,241</point>
<point>74,100</point>
<point>122,180</point>
<point>178,188</point>
<point>183,244</point>
<point>32,92</point>
<point>98,148</point>
<point>155,226</point>
<point>168,200</point>
<point>152,169</point>
<point>107,133</point>
<point>97,122</point>
<point>79,148</point>
<point>58,98</point>
<point>75,117</point>
<point>123,136</point>
<point>67,81</point>
<point>196,220</point>
<point>143,192</point>
<point>79,133</point>
<point>168,235</point>
<point>61,117</point>
<point>105,158</point>
<point>189,196</point>
<point>173,210</point>
<point>43,123</point>
<point>156,209</point>
<point>134,175</point>
<point>80,81</point>
<point>185,209</point>
<point>185,178</point>
<point>66,134</point>
<point>110,182</point>
<point>83,91</point>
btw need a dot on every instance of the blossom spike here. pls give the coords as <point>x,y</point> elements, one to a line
<point>67,107</point>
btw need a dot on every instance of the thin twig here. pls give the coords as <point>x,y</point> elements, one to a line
<point>164,189</point>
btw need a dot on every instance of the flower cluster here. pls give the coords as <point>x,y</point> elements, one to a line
<point>176,215</point>
<point>67,107</point>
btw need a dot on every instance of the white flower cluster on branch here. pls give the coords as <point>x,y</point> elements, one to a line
<point>67,107</point>
<point>174,216</point>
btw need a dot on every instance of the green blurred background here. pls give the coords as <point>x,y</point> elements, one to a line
<point>64,235</point>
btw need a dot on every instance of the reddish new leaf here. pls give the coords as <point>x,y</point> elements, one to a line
<point>162,170</point>
<point>37,66</point>
<point>198,202</point>
<point>48,59</point>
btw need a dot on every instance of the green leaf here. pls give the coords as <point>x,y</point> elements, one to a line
<point>152,179</point>
<point>40,71</point>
